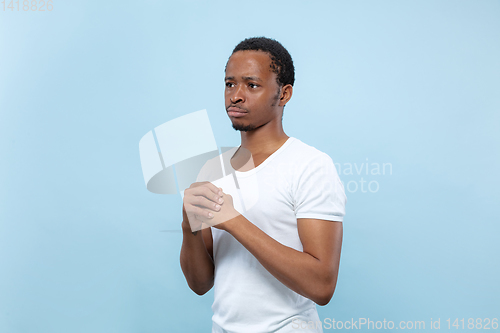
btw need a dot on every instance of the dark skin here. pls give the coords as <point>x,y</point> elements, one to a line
<point>251,87</point>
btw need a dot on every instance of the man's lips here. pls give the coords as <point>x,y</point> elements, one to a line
<point>236,112</point>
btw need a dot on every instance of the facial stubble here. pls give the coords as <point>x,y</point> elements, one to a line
<point>252,127</point>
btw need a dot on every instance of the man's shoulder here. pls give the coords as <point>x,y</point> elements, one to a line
<point>303,153</point>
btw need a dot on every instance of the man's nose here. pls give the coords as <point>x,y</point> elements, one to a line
<point>238,96</point>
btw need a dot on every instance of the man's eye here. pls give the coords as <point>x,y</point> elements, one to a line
<point>251,85</point>
<point>229,84</point>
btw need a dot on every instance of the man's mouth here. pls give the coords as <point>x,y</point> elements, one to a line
<point>236,112</point>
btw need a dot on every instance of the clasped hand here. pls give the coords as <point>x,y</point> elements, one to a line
<point>205,203</point>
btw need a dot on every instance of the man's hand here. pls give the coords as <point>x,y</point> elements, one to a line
<point>201,201</point>
<point>221,219</point>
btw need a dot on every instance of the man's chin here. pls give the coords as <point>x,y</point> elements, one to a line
<point>243,128</point>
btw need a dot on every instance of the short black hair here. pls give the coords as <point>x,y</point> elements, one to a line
<point>281,61</point>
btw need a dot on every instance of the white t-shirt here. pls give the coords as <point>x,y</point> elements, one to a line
<point>296,181</point>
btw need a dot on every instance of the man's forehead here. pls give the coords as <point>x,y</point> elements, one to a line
<point>245,78</point>
<point>250,61</point>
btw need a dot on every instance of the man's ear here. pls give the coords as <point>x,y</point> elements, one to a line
<point>286,94</point>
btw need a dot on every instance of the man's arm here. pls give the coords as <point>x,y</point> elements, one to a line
<point>311,273</point>
<point>196,252</point>
<point>196,259</point>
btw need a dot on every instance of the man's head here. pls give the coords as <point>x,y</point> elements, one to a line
<point>281,61</point>
<point>259,79</point>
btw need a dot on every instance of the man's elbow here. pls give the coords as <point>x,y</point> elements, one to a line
<point>200,292</point>
<point>201,289</point>
<point>325,294</point>
<point>323,300</point>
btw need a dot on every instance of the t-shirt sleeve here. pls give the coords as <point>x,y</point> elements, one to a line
<point>318,191</point>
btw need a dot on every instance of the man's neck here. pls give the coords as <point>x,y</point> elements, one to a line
<point>263,141</point>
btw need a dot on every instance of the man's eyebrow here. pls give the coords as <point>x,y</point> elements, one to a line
<point>251,78</point>
<point>245,78</point>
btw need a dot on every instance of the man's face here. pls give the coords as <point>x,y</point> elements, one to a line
<point>252,94</point>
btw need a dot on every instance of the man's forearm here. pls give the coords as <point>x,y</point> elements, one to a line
<point>299,271</point>
<point>196,263</point>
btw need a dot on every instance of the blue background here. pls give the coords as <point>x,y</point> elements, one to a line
<point>83,244</point>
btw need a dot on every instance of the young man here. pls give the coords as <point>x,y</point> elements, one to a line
<point>271,264</point>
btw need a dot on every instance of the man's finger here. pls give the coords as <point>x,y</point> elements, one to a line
<point>211,186</point>
<point>203,202</point>
<point>201,213</point>
<point>207,192</point>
